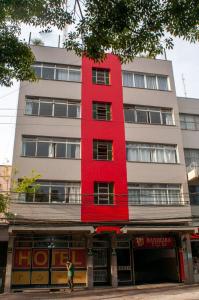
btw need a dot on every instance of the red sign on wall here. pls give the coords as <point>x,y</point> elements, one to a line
<point>22,258</point>
<point>154,242</point>
<point>40,258</point>
<point>78,257</point>
<point>59,257</point>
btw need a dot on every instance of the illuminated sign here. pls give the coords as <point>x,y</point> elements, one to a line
<point>154,242</point>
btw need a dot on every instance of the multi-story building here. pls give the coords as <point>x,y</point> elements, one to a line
<point>189,119</point>
<point>113,194</point>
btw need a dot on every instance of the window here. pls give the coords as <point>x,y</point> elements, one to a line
<point>57,108</point>
<point>102,150</point>
<point>148,115</point>
<point>155,194</point>
<point>146,81</point>
<point>100,76</point>
<point>103,193</point>
<point>51,147</point>
<point>57,72</point>
<point>54,192</point>
<point>102,111</point>
<point>194,194</point>
<point>191,157</point>
<point>153,153</point>
<point>189,122</point>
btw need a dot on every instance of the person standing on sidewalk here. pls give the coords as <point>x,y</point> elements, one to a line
<point>71,271</point>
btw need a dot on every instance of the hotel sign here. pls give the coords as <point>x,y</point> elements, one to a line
<point>153,242</point>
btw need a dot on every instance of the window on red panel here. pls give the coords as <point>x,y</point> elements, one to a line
<point>101,76</point>
<point>102,150</point>
<point>103,193</point>
<point>102,111</point>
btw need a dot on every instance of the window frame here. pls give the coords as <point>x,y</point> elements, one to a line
<point>53,101</point>
<point>109,150</point>
<point>50,185</point>
<point>56,67</point>
<point>133,73</point>
<point>109,194</point>
<point>152,153</point>
<point>106,75</point>
<point>148,110</point>
<point>167,188</point>
<point>107,108</point>
<point>53,142</point>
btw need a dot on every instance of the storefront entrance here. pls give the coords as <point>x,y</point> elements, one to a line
<point>3,259</point>
<point>155,260</point>
<point>101,261</point>
<point>124,262</point>
<point>40,261</point>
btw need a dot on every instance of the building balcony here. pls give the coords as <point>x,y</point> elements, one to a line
<point>193,172</point>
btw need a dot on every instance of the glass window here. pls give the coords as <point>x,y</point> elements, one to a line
<point>102,150</point>
<point>162,83</point>
<point>103,193</point>
<point>57,194</point>
<point>32,108</point>
<point>129,115</point>
<point>62,74</point>
<point>74,74</point>
<point>100,76</point>
<point>154,194</point>
<point>73,110</point>
<point>37,70</point>
<point>60,150</point>
<point>28,148</point>
<point>48,73</point>
<point>73,150</point>
<point>151,153</point>
<point>42,194</point>
<point>151,82</point>
<point>139,81</point>
<point>46,109</point>
<point>155,117</point>
<point>73,195</point>
<point>102,111</point>
<point>128,79</point>
<point>142,116</point>
<point>60,110</point>
<point>42,149</point>
<point>167,118</point>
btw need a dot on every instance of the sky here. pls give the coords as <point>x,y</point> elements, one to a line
<point>184,56</point>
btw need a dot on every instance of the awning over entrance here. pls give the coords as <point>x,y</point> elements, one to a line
<point>128,229</point>
<point>89,229</point>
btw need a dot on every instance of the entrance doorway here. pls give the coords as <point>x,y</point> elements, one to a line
<point>155,266</point>
<point>3,260</point>
<point>124,262</point>
<point>101,261</point>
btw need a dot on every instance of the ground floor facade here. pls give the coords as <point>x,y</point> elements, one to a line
<point>102,257</point>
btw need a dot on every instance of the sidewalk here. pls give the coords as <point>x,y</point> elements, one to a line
<point>140,292</point>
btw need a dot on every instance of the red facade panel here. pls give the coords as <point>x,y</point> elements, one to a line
<point>103,171</point>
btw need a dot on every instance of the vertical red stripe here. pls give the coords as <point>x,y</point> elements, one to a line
<point>103,171</point>
<point>181,262</point>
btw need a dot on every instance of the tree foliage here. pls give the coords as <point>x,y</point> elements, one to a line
<point>127,28</point>
<point>16,56</point>
<point>133,27</point>
<point>25,185</point>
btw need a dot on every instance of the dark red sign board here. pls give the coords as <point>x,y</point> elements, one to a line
<point>153,242</point>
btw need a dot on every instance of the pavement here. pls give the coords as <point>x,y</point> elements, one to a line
<point>140,292</point>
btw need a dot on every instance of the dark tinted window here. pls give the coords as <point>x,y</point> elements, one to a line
<point>43,149</point>
<point>46,109</point>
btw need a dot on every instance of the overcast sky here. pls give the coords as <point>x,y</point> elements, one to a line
<point>185,58</point>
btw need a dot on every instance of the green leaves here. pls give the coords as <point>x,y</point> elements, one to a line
<point>134,27</point>
<point>16,56</point>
